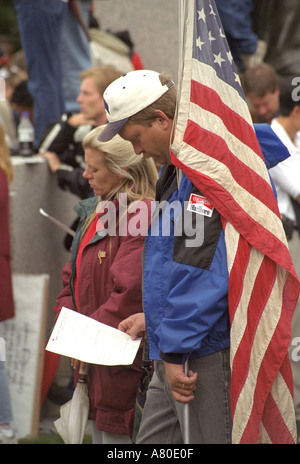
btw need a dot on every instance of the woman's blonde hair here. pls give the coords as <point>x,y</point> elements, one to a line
<point>138,174</point>
<point>5,163</point>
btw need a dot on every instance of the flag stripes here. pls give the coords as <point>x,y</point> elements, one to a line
<point>220,157</point>
<point>248,214</point>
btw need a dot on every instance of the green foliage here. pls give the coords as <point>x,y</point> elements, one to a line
<point>9,24</point>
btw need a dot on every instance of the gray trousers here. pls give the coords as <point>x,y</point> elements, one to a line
<point>105,438</point>
<point>209,413</point>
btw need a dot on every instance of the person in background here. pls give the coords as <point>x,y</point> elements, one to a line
<point>236,20</point>
<point>103,279</point>
<point>22,100</point>
<point>40,26</point>
<point>12,75</point>
<point>286,175</point>
<point>75,50</point>
<point>61,144</point>
<point>261,86</point>
<point>7,309</point>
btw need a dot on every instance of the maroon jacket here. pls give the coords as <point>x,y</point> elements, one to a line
<point>6,291</point>
<point>109,290</point>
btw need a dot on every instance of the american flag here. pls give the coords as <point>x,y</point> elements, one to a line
<point>216,147</point>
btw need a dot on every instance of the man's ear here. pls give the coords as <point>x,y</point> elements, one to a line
<point>296,110</point>
<point>163,119</point>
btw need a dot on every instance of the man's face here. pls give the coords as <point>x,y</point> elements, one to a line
<point>150,141</point>
<point>264,109</point>
<point>91,101</point>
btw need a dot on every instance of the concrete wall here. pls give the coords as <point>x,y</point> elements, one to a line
<point>153,26</point>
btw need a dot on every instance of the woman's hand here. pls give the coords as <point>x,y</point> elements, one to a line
<point>53,160</point>
<point>78,119</point>
<point>134,325</point>
<point>80,366</point>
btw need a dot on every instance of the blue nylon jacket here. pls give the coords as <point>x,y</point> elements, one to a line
<point>185,287</point>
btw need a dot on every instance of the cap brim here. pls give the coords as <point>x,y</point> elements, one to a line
<point>111,129</point>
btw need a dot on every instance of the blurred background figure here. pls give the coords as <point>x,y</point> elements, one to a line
<point>245,47</point>
<point>62,142</point>
<point>277,23</point>
<point>261,87</point>
<point>75,50</point>
<point>22,100</point>
<point>40,26</point>
<point>7,310</point>
<point>13,75</point>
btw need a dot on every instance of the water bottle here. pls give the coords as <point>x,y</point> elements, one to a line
<point>25,135</point>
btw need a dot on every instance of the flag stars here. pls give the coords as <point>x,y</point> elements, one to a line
<point>237,78</point>
<point>218,59</point>
<point>212,11</point>
<point>210,37</point>
<point>229,56</point>
<point>199,43</point>
<point>201,14</point>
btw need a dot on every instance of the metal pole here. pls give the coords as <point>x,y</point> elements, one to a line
<point>186,415</point>
<point>58,223</point>
<point>182,17</point>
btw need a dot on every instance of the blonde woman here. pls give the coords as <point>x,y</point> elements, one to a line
<point>103,278</point>
<point>6,291</point>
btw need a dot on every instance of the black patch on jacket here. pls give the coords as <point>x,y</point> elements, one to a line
<point>198,256</point>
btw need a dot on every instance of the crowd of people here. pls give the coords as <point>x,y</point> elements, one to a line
<point>106,137</point>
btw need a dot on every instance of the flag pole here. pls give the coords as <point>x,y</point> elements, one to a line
<point>181,7</point>
<point>186,414</point>
<point>181,15</point>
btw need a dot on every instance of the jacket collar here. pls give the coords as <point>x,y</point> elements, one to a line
<point>84,208</point>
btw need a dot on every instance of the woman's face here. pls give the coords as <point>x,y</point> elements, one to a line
<point>101,180</point>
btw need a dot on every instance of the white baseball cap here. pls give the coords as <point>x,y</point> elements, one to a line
<point>128,95</point>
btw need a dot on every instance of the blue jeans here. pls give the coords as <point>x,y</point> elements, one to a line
<point>237,24</point>
<point>209,413</point>
<point>5,404</point>
<point>40,25</point>
<point>75,55</point>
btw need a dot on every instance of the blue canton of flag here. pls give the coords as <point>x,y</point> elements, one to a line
<point>211,46</point>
